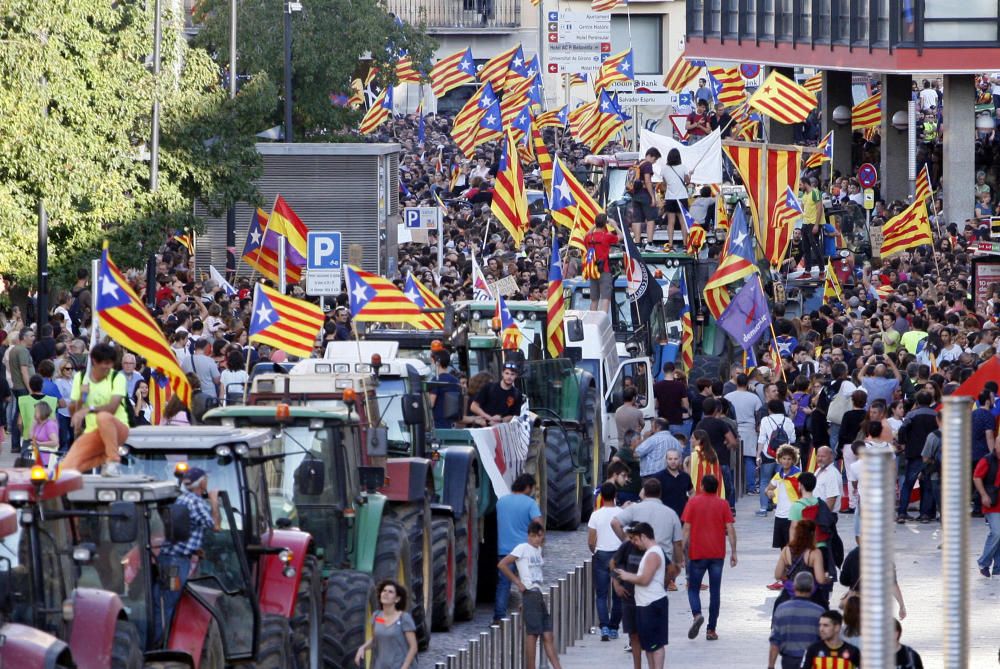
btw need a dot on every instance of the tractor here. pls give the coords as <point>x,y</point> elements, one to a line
<point>39,581</point>
<point>285,580</point>
<point>24,646</point>
<point>322,480</point>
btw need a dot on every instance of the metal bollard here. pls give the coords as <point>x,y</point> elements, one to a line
<point>572,608</point>
<point>505,644</point>
<point>956,431</point>
<point>588,585</point>
<point>452,662</point>
<point>878,479</point>
<point>567,603</point>
<point>583,604</point>
<point>439,665</point>
<point>493,656</point>
<point>517,631</point>
<point>555,606</point>
<point>551,600</point>
<point>563,615</point>
<point>463,658</point>
<point>475,654</point>
<point>486,642</point>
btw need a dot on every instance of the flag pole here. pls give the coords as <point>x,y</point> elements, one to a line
<point>282,270</point>
<point>774,336</point>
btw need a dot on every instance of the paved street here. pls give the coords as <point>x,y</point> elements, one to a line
<point>746,609</point>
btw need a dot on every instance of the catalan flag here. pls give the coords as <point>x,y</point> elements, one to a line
<point>605,123</point>
<point>578,79</point>
<point>619,67</point>
<point>867,113</point>
<point>376,299</point>
<point>255,254</point>
<point>831,286</point>
<point>466,124</point>
<point>580,120</point>
<point>687,328</point>
<point>379,113</point>
<point>911,228</point>
<point>509,332</point>
<point>924,190</point>
<point>496,68</point>
<point>747,161</point>
<point>696,239</point>
<point>543,157</point>
<point>604,5</point>
<point>748,131</point>
<point>782,168</point>
<point>490,126</point>
<point>721,214</point>
<point>405,72</point>
<point>783,100</point>
<point>357,94</point>
<point>452,71</point>
<point>370,76</point>
<point>517,70</point>
<point>124,318</point>
<point>160,393</point>
<point>570,205</point>
<point>555,339</point>
<point>825,153</point>
<point>510,201</point>
<point>555,118</point>
<point>681,73</point>
<point>481,290</point>
<point>424,298</point>
<point>185,239</point>
<point>814,84</point>
<point>284,322</point>
<point>736,263</point>
<point>786,211</point>
<point>733,91</point>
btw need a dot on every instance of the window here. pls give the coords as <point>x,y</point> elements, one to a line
<point>646,40</point>
<point>969,21</point>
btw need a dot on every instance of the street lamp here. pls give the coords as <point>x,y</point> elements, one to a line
<point>289,8</point>
<point>231,212</point>
<point>842,115</point>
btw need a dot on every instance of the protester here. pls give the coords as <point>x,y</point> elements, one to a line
<point>515,514</point>
<point>627,558</point>
<point>651,605</point>
<point>986,478</point>
<point>653,512</point>
<point>394,633</point>
<point>603,542</point>
<point>97,407</point>
<point>830,645</point>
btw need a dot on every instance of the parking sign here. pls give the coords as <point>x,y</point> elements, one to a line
<point>323,263</point>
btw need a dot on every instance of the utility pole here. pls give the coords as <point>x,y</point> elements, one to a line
<point>289,8</point>
<point>154,144</point>
<point>231,213</point>
<point>42,295</point>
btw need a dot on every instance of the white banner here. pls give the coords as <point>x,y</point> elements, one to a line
<point>704,159</point>
<point>503,450</point>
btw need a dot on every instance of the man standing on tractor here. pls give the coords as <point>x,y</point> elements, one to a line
<point>499,402</point>
<point>174,560</point>
<point>443,384</point>
<point>96,405</point>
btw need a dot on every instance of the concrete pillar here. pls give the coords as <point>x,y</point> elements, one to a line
<point>959,133</point>
<point>892,173</point>
<point>779,133</point>
<point>836,93</point>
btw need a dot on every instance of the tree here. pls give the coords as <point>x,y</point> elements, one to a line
<point>76,96</point>
<point>329,38</point>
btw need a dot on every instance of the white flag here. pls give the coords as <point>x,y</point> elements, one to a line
<point>221,280</point>
<point>480,289</point>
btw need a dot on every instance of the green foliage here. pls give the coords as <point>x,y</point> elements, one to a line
<point>329,37</point>
<point>76,98</point>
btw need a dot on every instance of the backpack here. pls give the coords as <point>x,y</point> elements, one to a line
<point>635,177</point>
<point>839,405</point>
<point>989,483</point>
<point>825,519</point>
<point>798,566</point>
<point>777,439</point>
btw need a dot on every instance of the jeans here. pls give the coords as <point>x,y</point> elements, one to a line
<point>727,481</point>
<point>767,470</point>
<point>169,566</point>
<point>834,436</point>
<point>603,590</point>
<point>15,431</point>
<point>696,572</point>
<point>913,467</point>
<point>502,598</point>
<point>991,550</point>
<point>750,467</point>
<point>65,433</point>
<point>684,428</point>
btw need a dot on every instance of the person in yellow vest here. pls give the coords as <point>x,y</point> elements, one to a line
<point>784,489</point>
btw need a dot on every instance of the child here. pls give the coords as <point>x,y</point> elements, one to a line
<point>528,579</point>
<point>44,435</point>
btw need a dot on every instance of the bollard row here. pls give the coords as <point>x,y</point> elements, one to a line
<point>570,602</point>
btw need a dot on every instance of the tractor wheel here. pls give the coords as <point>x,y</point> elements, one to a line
<point>213,655</point>
<point>126,649</point>
<point>467,538</point>
<point>562,511</point>
<point>416,521</point>
<point>345,617</point>
<point>591,453</point>
<point>392,557</point>
<point>275,648</point>
<point>536,465</point>
<point>305,620</point>
<point>443,586</point>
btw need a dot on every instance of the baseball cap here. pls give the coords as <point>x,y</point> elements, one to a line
<point>511,366</point>
<point>193,474</point>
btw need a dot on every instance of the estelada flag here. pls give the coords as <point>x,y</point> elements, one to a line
<point>376,299</point>
<point>452,71</point>
<point>911,228</point>
<point>284,322</point>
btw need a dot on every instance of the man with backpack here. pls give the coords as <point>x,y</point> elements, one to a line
<point>986,478</point>
<point>776,429</point>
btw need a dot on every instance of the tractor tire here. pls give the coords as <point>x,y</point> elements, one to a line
<point>275,648</point>
<point>213,654</point>
<point>443,585</point>
<point>345,617</point>
<point>536,465</point>
<point>467,539</point>
<point>590,421</point>
<point>126,648</point>
<point>563,493</point>
<point>392,558</point>
<point>305,621</point>
<point>416,521</point>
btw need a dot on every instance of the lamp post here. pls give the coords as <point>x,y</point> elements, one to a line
<point>231,212</point>
<point>289,8</point>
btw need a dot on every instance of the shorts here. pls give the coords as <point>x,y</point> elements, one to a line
<point>628,616</point>
<point>602,288</point>
<point>653,624</point>
<point>672,206</point>
<point>645,209</point>
<point>537,619</point>
<point>782,526</point>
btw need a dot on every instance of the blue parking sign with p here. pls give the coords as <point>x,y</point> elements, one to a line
<point>324,250</point>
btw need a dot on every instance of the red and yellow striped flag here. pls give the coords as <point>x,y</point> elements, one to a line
<point>814,84</point>
<point>555,339</point>
<point>284,322</point>
<point>825,153</point>
<point>379,112</point>
<point>452,71</point>
<point>605,5</point>
<point>911,228</point>
<point>782,170</point>
<point>734,90</point>
<point>510,200</point>
<point>924,190</point>
<point>680,74</point>
<point>779,235</point>
<point>696,239</point>
<point>783,100</point>
<point>495,69</point>
<point>543,157</point>
<point>867,113</point>
<point>721,214</point>
<point>405,72</point>
<point>747,161</point>
<point>376,299</point>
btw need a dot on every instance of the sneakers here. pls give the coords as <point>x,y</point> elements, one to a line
<point>652,248</point>
<point>903,518</point>
<point>761,513</point>
<point>777,585</point>
<point>711,635</point>
<point>696,624</point>
<point>109,469</point>
<point>628,647</point>
<point>985,571</point>
<point>613,634</point>
<point>605,634</point>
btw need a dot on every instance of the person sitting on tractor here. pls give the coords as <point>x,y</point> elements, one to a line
<point>499,402</point>
<point>174,560</point>
<point>96,405</point>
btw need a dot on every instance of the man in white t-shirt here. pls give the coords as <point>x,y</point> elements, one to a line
<point>603,543</point>
<point>928,97</point>
<point>829,484</point>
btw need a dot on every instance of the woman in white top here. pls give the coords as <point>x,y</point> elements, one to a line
<point>675,179</point>
<point>651,605</point>
<point>234,377</point>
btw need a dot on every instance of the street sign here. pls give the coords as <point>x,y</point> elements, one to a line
<point>643,90</point>
<point>582,28</point>
<point>867,175</point>
<point>323,263</point>
<point>575,41</point>
<point>679,121</point>
<point>988,247</point>
<point>421,218</point>
<point>869,201</point>
<point>749,70</point>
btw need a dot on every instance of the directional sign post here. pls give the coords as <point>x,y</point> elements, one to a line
<point>577,41</point>
<point>323,263</point>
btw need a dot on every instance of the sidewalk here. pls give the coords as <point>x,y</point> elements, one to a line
<point>744,621</point>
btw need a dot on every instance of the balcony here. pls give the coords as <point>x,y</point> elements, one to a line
<point>450,16</point>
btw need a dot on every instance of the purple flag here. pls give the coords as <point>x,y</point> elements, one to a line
<point>747,317</point>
